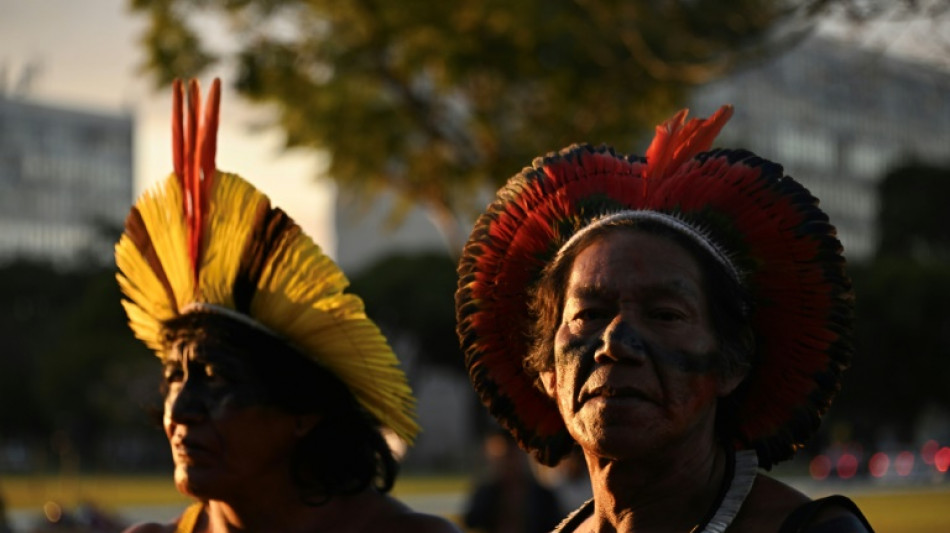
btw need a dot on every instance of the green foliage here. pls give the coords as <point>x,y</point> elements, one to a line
<point>902,343</point>
<point>913,220</point>
<point>436,100</point>
<point>71,374</point>
<point>902,321</point>
<point>411,298</point>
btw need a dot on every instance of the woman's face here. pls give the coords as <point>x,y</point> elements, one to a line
<point>635,352</point>
<point>224,436</point>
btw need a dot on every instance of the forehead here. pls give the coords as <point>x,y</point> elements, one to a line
<point>204,350</point>
<point>631,258</point>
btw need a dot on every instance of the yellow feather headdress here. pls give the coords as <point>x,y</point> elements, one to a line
<point>208,240</point>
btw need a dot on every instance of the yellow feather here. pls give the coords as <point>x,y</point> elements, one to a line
<point>144,326</point>
<point>304,272</point>
<point>303,299</point>
<point>161,211</point>
<point>138,281</point>
<point>231,220</point>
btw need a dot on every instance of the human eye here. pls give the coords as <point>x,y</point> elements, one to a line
<point>668,313</point>
<point>590,314</point>
<point>173,374</point>
<point>216,374</point>
<point>587,319</point>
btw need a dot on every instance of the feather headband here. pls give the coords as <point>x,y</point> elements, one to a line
<point>204,240</point>
<point>762,225</point>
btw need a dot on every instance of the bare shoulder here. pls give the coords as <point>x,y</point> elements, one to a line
<point>400,518</point>
<point>769,502</point>
<point>422,523</point>
<point>151,528</point>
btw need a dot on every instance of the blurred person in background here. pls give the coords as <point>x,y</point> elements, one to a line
<point>511,500</point>
<point>277,386</point>
<point>4,521</point>
<point>570,481</point>
<point>684,318</point>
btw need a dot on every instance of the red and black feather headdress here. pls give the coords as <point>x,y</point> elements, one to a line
<point>768,225</point>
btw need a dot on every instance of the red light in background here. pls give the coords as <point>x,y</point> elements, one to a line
<point>847,466</point>
<point>904,463</point>
<point>942,459</point>
<point>879,464</point>
<point>928,451</point>
<point>819,467</point>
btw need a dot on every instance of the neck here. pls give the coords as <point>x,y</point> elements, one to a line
<point>669,491</point>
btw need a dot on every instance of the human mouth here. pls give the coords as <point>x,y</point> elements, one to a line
<point>610,393</point>
<point>187,449</point>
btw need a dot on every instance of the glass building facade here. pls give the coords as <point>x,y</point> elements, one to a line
<point>838,118</point>
<point>65,181</point>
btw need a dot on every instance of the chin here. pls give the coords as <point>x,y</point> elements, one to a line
<point>201,485</point>
<point>620,442</point>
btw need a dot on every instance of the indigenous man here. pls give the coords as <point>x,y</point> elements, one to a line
<point>276,383</point>
<point>684,318</point>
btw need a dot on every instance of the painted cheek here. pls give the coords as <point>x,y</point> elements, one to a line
<point>234,396</point>
<point>699,392</point>
<point>685,362</point>
<point>573,361</point>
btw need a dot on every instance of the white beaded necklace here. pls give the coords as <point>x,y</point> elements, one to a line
<point>743,475</point>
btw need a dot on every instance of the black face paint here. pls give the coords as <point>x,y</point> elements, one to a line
<point>688,363</point>
<point>211,380</point>
<point>583,348</point>
<point>578,348</point>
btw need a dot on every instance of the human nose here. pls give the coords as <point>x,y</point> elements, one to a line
<point>185,405</point>
<point>621,342</point>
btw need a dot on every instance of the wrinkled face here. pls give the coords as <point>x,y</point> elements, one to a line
<point>635,351</point>
<point>222,434</point>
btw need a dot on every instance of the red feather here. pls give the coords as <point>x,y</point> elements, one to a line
<point>193,152</point>
<point>677,141</point>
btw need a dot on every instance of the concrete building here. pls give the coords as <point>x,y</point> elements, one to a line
<point>65,181</point>
<point>838,118</point>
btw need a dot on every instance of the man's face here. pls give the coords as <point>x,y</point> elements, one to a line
<point>635,351</point>
<point>223,436</point>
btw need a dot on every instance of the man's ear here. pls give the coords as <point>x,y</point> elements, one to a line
<point>304,423</point>
<point>548,379</point>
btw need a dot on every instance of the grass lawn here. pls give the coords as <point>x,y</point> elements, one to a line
<point>30,492</point>
<point>906,510</point>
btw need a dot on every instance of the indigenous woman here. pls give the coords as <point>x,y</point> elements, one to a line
<point>684,318</point>
<point>277,385</point>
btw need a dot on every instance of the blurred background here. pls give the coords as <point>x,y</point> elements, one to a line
<point>383,128</point>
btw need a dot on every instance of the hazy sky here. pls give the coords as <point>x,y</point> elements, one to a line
<point>87,56</point>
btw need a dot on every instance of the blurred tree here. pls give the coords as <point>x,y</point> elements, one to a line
<point>411,298</point>
<point>72,375</point>
<point>911,222</point>
<point>902,335</point>
<point>902,345</point>
<point>436,100</point>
